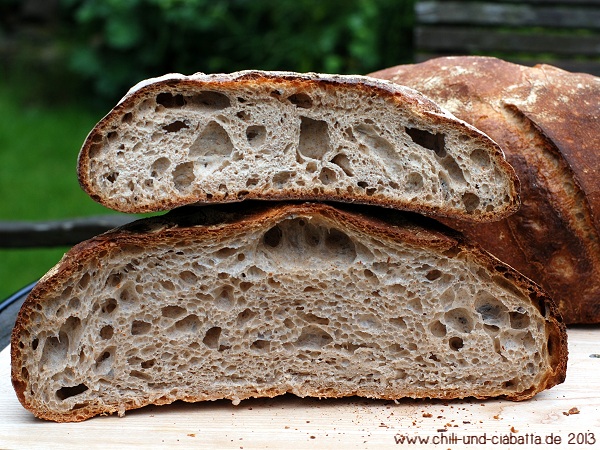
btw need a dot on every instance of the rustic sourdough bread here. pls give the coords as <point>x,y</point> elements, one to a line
<point>241,301</point>
<point>546,120</point>
<point>177,140</point>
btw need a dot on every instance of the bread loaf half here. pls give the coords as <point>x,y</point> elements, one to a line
<point>546,120</point>
<point>308,299</point>
<point>178,140</point>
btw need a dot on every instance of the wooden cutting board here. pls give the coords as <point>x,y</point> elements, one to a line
<point>567,416</point>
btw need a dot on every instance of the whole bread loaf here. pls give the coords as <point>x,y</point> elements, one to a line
<point>547,121</point>
<point>177,140</point>
<point>241,301</point>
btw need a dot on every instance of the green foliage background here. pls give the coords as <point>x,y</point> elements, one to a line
<point>108,45</point>
<point>64,63</point>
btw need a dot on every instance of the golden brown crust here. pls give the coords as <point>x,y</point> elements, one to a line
<point>216,223</point>
<point>546,120</point>
<point>404,97</point>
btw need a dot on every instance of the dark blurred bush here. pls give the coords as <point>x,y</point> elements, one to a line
<point>109,45</point>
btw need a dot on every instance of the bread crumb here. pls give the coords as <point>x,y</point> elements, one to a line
<point>497,417</point>
<point>513,430</point>
<point>427,415</point>
<point>573,410</point>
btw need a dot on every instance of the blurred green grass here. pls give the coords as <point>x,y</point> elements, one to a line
<point>38,181</point>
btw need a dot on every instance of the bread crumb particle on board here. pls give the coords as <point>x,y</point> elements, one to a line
<point>427,415</point>
<point>191,434</point>
<point>573,410</point>
<point>513,430</point>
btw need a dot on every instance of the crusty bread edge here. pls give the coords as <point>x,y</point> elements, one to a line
<point>401,95</point>
<point>146,231</point>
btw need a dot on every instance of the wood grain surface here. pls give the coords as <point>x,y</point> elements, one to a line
<point>567,416</point>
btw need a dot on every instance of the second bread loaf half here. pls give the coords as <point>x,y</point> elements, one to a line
<point>234,302</point>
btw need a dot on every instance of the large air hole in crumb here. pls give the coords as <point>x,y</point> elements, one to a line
<point>460,319</point>
<point>84,281</point>
<point>173,311</point>
<point>280,179</point>
<point>314,138</point>
<point>252,181</point>
<point>519,319</point>
<point>313,318</point>
<point>183,176</point>
<point>226,252</point>
<point>66,392</point>
<point>106,332</point>
<point>312,235</point>
<point>188,277</point>
<point>438,329</point>
<point>492,311</point>
<point>224,300</point>
<point>169,100</point>
<point>453,169</point>
<point>256,135</point>
<point>140,375</point>
<point>471,202</point>
<point>492,330</point>
<point>343,163</point>
<point>398,322</point>
<point>433,275</point>
<point>108,306</point>
<point>313,338</point>
<point>210,100</point>
<point>188,324</point>
<point>370,137</point>
<point>160,166</point>
<point>327,176</point>
<point>55,350</point>
<point>340,243</point>
<point>430,141</point>
<point>245,316</point>
<point>261,346</point>
<point>456,343</point>
<point>211,338</point>
<point>414,182</point>
<point>212,144</point>
<point>114,279</point>
<point>480,158</point>
<point>148,364</point>
<point>272,238</point>
<point>139,327</point>
<point>104,360</point>
<point>111,177</point>
<point>176,126</point>
<point>301,100</point>
<point>71,328</point>
<point>167,284</point>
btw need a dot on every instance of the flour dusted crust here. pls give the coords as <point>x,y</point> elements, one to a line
<point>546,120</point>
<point>178,140</point>
<point>258,300</point>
